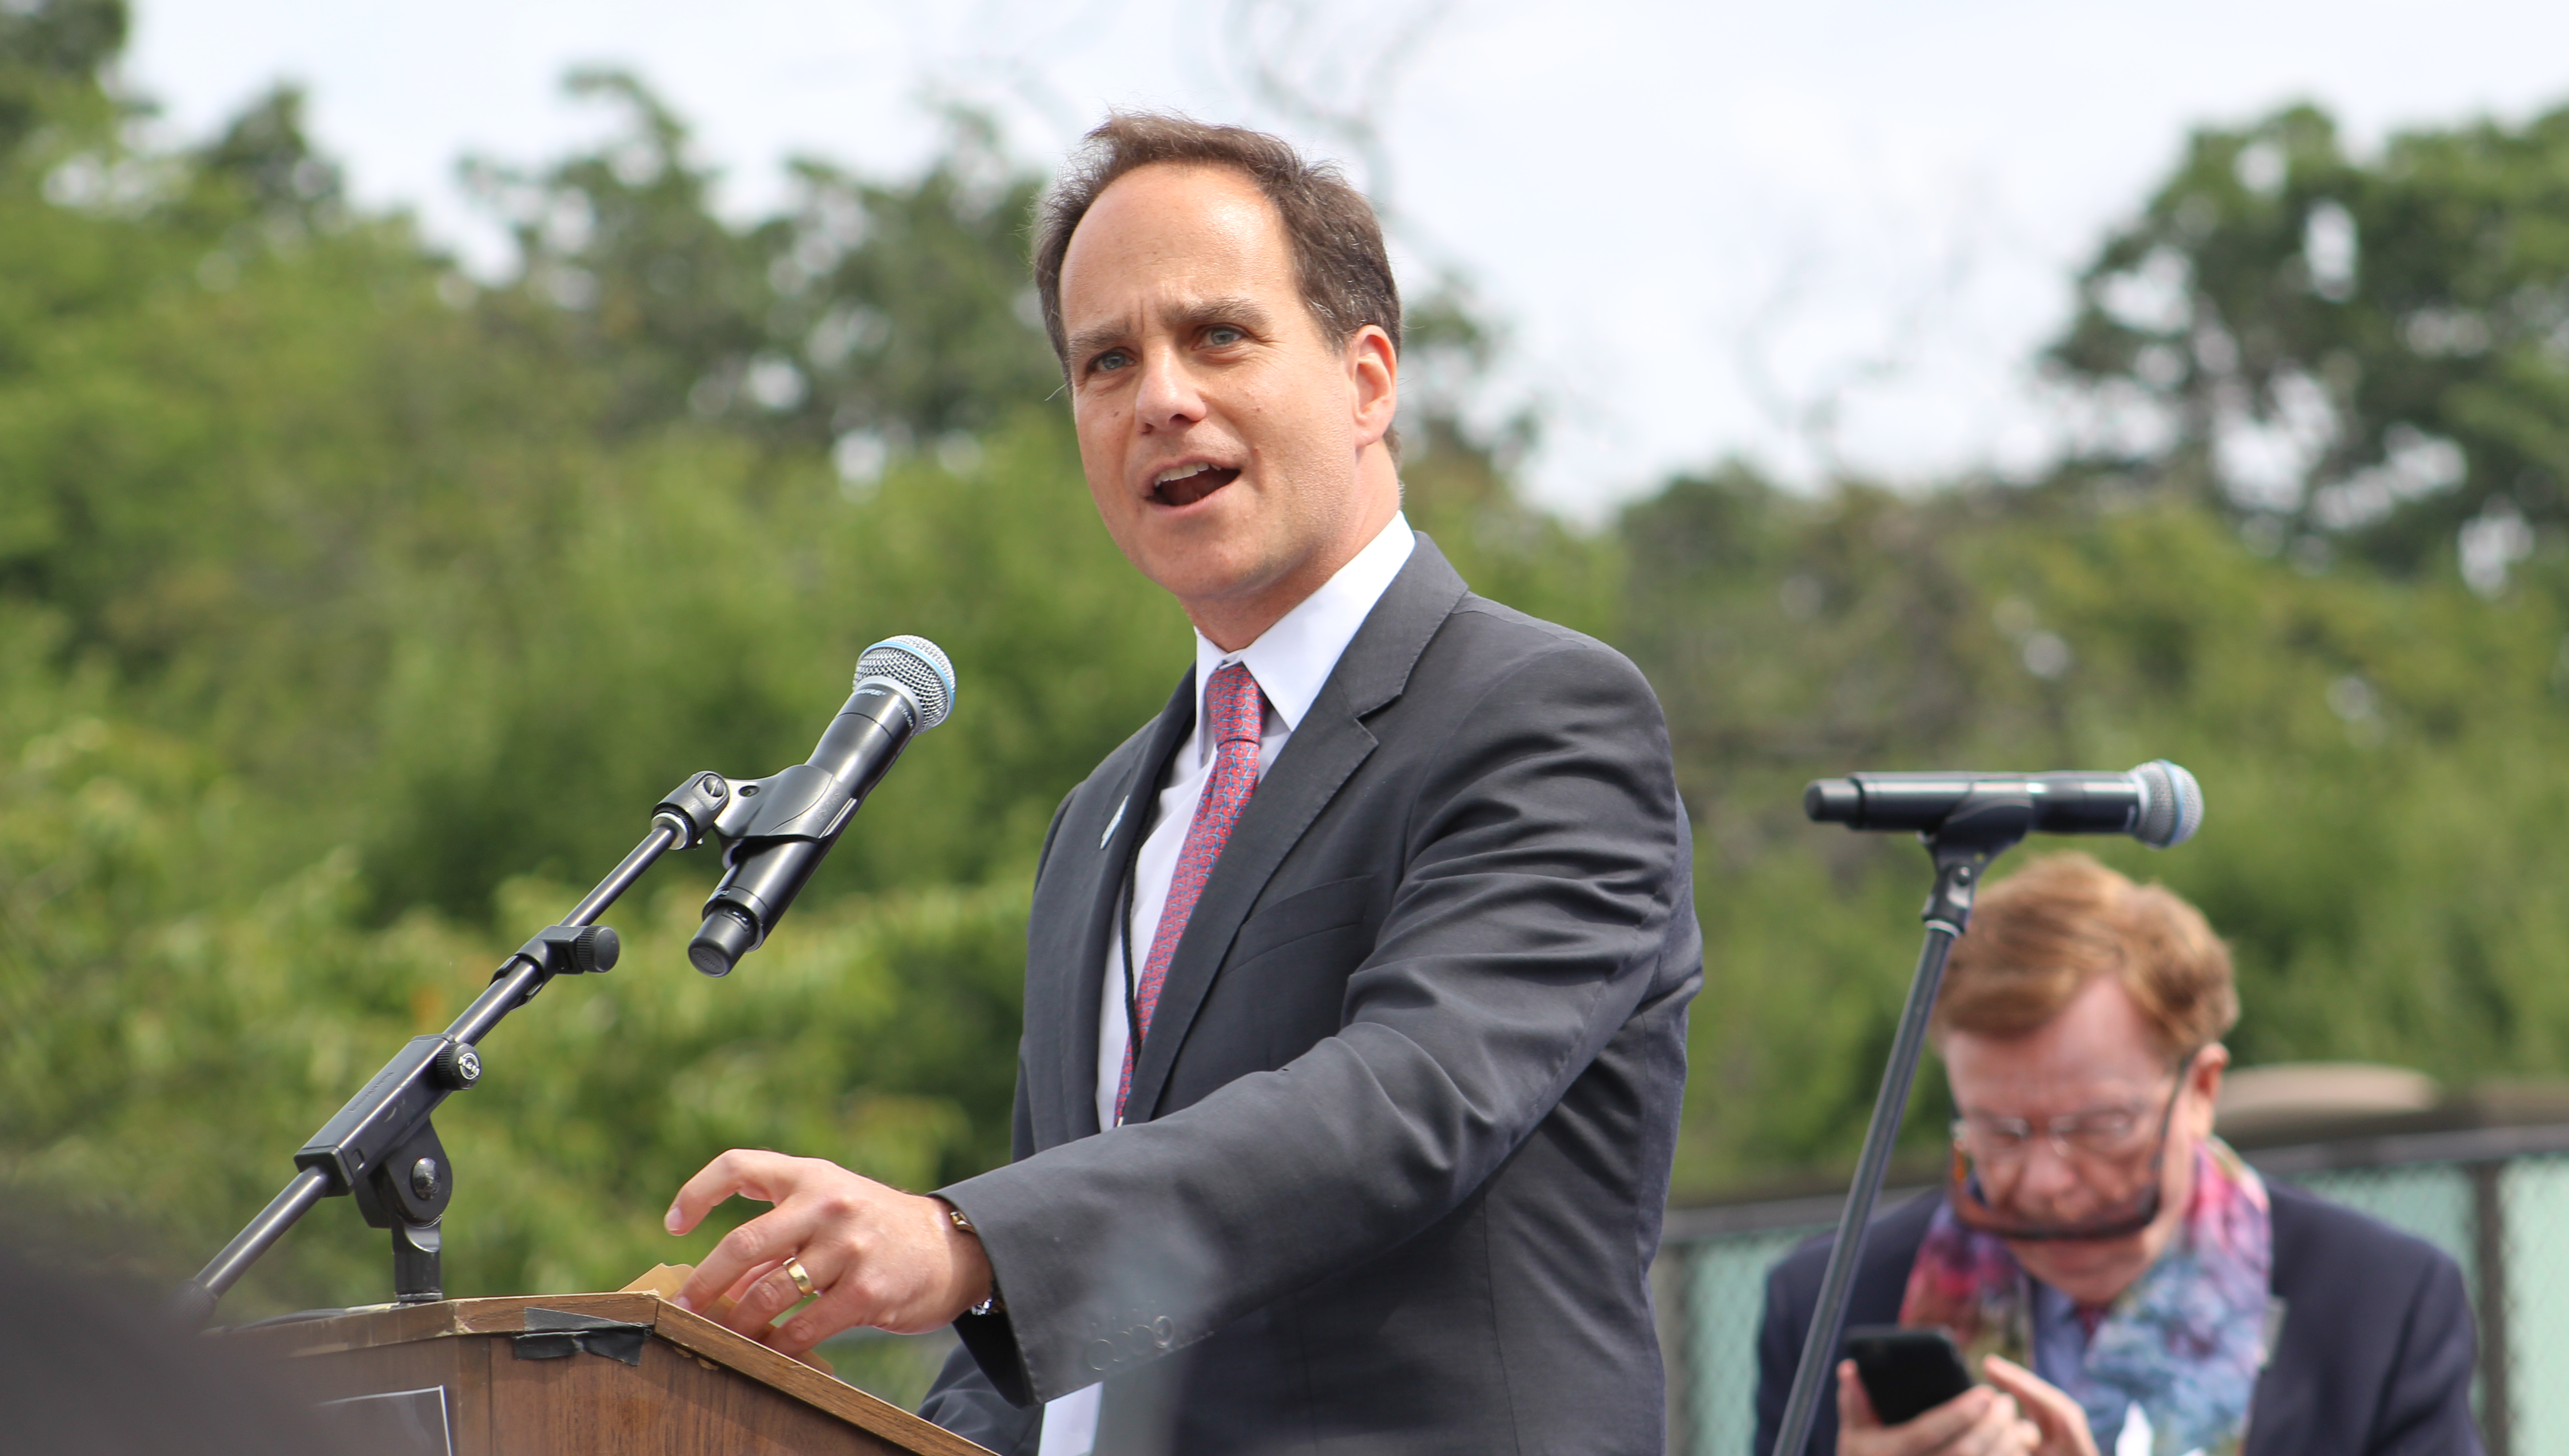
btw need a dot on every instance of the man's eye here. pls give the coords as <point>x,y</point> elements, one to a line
<point>1111,359</point>
<point>1223,335</point>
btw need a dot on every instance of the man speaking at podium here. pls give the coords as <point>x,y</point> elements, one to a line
<point>1355,981</point>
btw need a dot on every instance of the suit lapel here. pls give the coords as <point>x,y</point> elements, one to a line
<point>1327,747</point>
<point>1103,865</point>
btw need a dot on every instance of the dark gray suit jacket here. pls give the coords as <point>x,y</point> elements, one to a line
<point>1398,1140</point>
<point>2375,1358</point>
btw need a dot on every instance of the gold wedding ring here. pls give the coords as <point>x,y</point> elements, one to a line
<point>801,1276</point>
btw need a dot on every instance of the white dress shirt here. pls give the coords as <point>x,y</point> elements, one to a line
<point>1289,661</point>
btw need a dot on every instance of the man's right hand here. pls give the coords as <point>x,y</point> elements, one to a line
<point>1979,1422</point>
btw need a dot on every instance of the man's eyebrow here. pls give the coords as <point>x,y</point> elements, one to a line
<point>1090,340</point>
<point>1201,312</point>
<point>1184,318</point>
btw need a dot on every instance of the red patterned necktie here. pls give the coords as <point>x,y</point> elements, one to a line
<point>1234,711</point>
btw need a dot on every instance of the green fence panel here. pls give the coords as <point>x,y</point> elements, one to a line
<point>2534,1195</point>
<point>2430,1199</point>
<point>1724,1293</point>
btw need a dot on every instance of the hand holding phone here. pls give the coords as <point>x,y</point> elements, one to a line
<point>1913,1371</point>
<point>1906,1372</point>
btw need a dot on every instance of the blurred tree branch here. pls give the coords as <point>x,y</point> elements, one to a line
<point>2365,355</point>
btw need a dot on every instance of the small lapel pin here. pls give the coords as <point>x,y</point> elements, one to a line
<point>1110,824</point>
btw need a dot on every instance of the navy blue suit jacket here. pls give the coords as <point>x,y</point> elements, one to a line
<point>2375,1358</point>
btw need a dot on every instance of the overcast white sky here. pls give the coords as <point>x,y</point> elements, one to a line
<point>1702,222</point>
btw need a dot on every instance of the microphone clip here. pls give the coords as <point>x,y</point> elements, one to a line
<point>695,808</point>
<point>805,801</point>
<point>1987,824</point>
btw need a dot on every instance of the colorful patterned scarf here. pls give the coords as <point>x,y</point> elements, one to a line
<point>2184,1344</point>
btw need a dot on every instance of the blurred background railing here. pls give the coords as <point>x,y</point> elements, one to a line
<point>2484,1178</point>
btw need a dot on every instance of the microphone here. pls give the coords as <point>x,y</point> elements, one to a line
<point>904,686</point>
<point>2158,803</point>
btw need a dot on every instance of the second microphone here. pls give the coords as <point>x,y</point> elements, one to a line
<point>2158,803</point>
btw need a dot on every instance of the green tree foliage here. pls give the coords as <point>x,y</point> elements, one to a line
<point>2371,353</point>
<point>342,593</point>
<point>893,314</point>
<point>1456,476</point>
<point>2374,750</point>
<point>353,614</point>
<point>160,1056</point>
<point>50,56</point>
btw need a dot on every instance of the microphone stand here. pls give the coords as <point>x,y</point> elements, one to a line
<point>381,1147</point>
<point>1984,825</point>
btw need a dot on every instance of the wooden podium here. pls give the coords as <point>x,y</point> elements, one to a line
<point>468,1376</point>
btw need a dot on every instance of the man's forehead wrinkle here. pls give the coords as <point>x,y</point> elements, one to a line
<point>1178,313</point>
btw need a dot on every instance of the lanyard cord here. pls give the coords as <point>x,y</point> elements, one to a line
<point>1132,1002</point>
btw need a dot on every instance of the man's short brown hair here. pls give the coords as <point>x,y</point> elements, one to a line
<point>2041,936</point>
<point>1339,256</point>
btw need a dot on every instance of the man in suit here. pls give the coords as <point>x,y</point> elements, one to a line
<point>2374,1356</point>
<point>2122,1279</point>
<point>1355,981</point>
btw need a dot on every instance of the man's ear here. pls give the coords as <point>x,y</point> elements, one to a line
<point>2209,1064</point>
<point>1373,379</point>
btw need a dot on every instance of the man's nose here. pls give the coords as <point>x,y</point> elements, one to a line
<point>2047,1182</point>
<point>1169,397</point>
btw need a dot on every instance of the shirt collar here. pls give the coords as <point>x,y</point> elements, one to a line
<point>1293,659</point>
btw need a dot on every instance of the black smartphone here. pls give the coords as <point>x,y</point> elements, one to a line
<point>1906,1372</point>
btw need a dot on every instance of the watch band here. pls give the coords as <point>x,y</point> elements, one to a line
<point>993,1304</point>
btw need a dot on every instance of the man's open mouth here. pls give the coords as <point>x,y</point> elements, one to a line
<point>1194,486</point>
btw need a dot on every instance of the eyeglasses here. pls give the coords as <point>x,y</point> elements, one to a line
<point>1993,1150</point>
<point>2077,1137</point>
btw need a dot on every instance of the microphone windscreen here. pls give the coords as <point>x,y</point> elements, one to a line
<point>921,670</point>
<point>2174,807</point>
